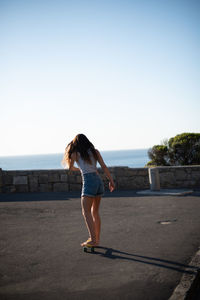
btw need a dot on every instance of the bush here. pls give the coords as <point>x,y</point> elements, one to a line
<point>158,155</point>
<point>183,149</point>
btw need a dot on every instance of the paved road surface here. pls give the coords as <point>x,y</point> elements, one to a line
<point>146,242</point>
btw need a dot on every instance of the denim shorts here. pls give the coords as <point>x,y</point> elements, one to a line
<point>92,185</point>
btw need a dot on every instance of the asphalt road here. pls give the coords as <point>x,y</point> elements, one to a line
<point>146,246</point>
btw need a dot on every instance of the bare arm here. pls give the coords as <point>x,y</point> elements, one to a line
<point>72,161</point>
<point>106,171</point>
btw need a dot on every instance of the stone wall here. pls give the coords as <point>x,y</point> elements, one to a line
<point>1,180</point>
<point>179,177</point>
<point>40,181</point>
<point>125,179</point>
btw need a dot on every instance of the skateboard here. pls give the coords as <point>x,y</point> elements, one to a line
<point>88,248</point>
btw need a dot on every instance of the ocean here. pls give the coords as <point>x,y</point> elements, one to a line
<point>130,158</point>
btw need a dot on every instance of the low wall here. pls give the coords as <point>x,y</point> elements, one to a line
<point>179,177</point>
<point>125,179</point>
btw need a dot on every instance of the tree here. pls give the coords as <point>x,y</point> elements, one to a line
<point>183,149</point>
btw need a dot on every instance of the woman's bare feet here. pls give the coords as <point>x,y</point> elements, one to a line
<point>90,243</point>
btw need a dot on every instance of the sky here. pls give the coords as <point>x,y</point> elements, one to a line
<point>125,73</point>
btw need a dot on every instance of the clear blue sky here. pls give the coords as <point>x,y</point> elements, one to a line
<point>125,73</point>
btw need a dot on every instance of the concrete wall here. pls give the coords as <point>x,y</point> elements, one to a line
<point>125,179</point>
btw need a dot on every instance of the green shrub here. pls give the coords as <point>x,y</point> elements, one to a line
<point>158,155</point>
<point>183,149</point>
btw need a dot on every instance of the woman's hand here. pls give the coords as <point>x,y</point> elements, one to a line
<point>106,171</point>
<point>111,186</point>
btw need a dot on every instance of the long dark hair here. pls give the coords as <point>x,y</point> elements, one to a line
<point>82,145</point>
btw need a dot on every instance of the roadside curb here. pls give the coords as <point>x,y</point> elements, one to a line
<point>189,283</point>
<point>166,192</point>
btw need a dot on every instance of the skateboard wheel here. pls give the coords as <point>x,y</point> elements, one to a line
<point>85,249</point>
<point>92,249</point>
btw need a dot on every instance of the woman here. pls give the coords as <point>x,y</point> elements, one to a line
<point>82,151</point>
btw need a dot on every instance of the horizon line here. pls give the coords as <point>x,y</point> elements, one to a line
<point>53,153</point>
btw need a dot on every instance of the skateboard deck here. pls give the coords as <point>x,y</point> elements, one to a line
<point>88,249</point>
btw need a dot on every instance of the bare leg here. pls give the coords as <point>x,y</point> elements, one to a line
<point>86,203</point>
<point>96,217</point>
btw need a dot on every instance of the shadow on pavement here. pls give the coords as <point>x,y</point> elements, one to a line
<point>116,254</point>
<point>59,196</point>
<point>21,197</point>
<point>55,196</point>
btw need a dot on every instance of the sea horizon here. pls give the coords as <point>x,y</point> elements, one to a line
<point>52,153</point>
<point>113,158</point>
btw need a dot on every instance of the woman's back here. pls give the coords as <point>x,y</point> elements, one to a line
<point>86,167</point>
